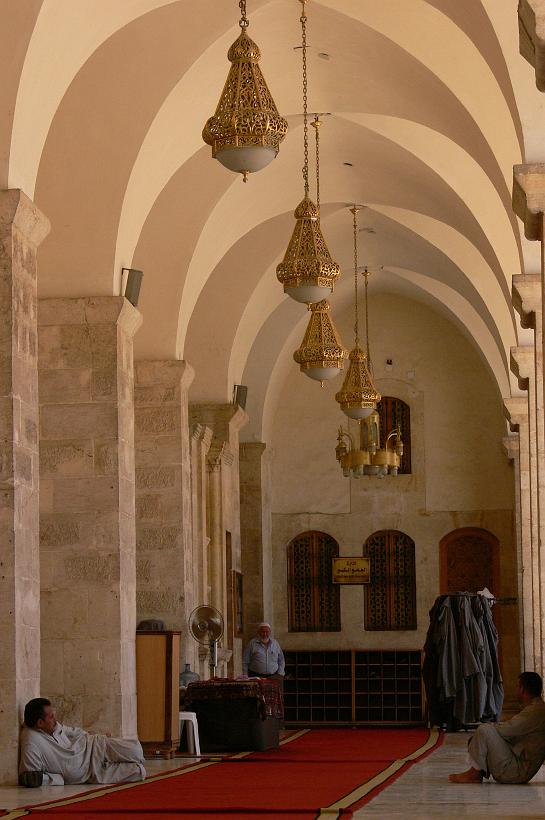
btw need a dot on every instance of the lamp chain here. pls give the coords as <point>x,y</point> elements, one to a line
<point>303,19</point>
<point>366,274</point>
<point>243,22</point>
<point>355,222</point>
<point>316,124</point>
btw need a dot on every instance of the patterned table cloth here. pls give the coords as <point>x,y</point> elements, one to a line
<point>265,691</point>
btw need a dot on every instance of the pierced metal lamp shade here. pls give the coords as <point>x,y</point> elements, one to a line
<point>246,130</point>
<point>321,355</point>
<point>357,397</point>
<point>307,271</point>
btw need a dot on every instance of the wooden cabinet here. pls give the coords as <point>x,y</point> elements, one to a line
<point>354,686</point>
<point>157,690</point>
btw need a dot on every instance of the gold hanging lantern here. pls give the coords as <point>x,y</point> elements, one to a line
<point>358,396</point>
<point>246,131</point>
<point>307,271</point>
<point>321,355</point>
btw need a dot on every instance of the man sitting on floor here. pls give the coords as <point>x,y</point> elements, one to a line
<point>512,752</point>
<point>53,754</point>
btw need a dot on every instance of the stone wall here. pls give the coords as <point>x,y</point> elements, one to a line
<point>167,572</point>
<point>460,476</point>
<point>22,228</point>
<point>87,524</point>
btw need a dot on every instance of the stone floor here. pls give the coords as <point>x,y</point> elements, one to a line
<point>423,792</point>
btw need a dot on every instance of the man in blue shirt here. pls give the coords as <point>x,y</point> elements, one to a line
<point>263,657</point>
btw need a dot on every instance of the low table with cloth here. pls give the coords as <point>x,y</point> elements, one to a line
<point>237,715</point>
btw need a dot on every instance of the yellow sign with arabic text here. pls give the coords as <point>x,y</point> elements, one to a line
<point>351,570</point>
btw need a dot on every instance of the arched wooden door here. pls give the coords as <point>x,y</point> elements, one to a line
<point>469,560</point>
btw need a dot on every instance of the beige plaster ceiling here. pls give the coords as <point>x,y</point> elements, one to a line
<point>101,110</point>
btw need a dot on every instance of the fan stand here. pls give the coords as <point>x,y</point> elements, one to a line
<point>213,656</point>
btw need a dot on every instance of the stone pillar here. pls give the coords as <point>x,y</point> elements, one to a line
<point>531,15</point>
<point>201,438</point>
<point>529,205</point>
<point>22,228</point>
<point>256,527</point>
<point>223,515</point>
<point>511,447</point>
<point>166,573</point>
<point>517,414</point>
<point>522,365</point>
<point>87,509</point>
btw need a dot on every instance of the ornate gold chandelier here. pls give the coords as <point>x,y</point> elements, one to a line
<point>246,130</point>
<point>307,271</point>
<point>367,457</point>
<point>358,396</point>
<point>321,354</point>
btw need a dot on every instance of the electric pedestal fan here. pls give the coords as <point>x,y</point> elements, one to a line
<point>206,626</point>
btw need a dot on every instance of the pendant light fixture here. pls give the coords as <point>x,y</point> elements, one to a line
<point>246,130</point>
<point>307,271</point>
<point>358,396</point>
<point>321,355</point>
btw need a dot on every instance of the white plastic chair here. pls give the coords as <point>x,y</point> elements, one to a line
<point>193,745</point>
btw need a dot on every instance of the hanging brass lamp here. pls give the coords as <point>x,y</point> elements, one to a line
<point>321,355</point>
<point>307,271</point>
<point>246,131</point>
<point>358,396</point>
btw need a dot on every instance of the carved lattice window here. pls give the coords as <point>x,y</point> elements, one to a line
<point>313,599</point>
<point>390,597</point>
<point>392,412</point>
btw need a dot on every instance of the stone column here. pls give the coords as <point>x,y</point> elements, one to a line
<point>223,513</point>
<point>517,414</point>
<point>255,533</point>
<point>201,438</point>
<point>531,15</point>
<point>511,447</point>
<point>87,509</point>
<point>522,365</point>
<point>22,228</point>
<point>529,205</point>
<point>166,573</point>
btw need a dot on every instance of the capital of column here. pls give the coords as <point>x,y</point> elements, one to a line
<point>17,210</point>
<point>164,372</point>
<point>531,16</point>
<point>523,364</point>
<point>203,434</point>
<point>252,450</point>
<point>526,296</point>
<point>224,419</point>
<point>90,310</point>
<point>529,197</point>
<point>516,411</point>
<point>511,446</point>
<point>220,453</point>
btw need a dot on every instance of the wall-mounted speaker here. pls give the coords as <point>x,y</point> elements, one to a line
<point>134,281</point>
<point>240,394</point>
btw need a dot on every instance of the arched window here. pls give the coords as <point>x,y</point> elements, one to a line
<point>390,597</point>
<point>469,560</point>
<point>392,412</point>
<point>313,599</point>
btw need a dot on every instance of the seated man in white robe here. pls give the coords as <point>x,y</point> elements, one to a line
<point>513,751</point>
<point>53,754</point>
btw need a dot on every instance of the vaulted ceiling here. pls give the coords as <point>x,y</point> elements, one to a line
<point>102,104</point>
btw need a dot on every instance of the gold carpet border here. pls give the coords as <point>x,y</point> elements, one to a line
<point>378,779</point>
<point>16,813</point>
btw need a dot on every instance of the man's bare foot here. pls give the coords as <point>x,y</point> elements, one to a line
<point>470,776</point>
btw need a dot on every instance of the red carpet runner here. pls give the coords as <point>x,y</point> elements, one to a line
<point>334,769</point>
